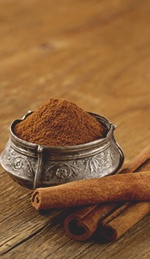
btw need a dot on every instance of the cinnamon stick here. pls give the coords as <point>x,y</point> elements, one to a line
<point>88,218</point>
<point>138,161</point>
<point>81,224</point>
<point>128,218</point>
<point>119,187</point>
<point>113,227</point>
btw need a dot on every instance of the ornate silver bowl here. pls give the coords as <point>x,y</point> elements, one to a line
<point>33,165</point>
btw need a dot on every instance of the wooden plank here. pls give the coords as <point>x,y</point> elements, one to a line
<point>20,222</point>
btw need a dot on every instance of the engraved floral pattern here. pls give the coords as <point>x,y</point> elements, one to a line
<point>78,169</point>
<point>19,163</point>
<point>61,171</point>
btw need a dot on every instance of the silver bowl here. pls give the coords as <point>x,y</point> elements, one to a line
<point>33,165</point>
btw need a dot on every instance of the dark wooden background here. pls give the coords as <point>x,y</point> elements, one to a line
<point>95,53</point>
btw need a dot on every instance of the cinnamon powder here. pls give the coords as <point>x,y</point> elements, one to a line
<point>59,122</point>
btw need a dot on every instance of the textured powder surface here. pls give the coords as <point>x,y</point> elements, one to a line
<point>59,122</point>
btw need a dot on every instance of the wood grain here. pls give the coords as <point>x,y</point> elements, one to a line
<point>96,54</point>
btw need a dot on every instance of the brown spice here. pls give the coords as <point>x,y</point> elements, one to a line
<point>59,123</point>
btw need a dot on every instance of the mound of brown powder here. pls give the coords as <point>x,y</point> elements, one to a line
<point>59,123</point>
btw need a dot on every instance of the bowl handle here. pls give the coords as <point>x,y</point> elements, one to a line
<point>38,173</point>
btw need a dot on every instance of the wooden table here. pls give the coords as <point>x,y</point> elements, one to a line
<point>96,54</point>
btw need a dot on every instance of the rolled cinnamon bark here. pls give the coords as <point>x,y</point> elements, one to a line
<point>81,224</point>
<point>119,187</point>
<point>128,218</point>
<point>138,161</point>
<point>110,228</point>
